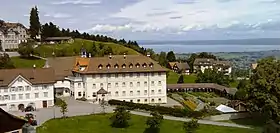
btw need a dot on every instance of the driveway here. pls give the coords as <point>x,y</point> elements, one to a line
<point>76,108</point>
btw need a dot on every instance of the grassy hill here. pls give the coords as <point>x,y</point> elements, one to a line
<point>71,49</point>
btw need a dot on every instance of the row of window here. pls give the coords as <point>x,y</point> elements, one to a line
<point>125,75</point>
<point>124,93</point>
<point>116,66</point>
<point>24,88</point>
<point>146,100</point>
<point>21,96</point>
<point>131,84</point>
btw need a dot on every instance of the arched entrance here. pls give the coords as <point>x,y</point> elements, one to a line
<point>21,107</point>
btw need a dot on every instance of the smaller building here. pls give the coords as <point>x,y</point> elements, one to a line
<point>10,123</point>
<point>20,88</point>
<point>238,105</point>
<point>179,67</point>
<point>58,40</point>
<point>201,64</point>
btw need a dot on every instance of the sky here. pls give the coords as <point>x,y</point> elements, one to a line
<point>155,19</point>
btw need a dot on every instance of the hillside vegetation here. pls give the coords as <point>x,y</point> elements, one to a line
<point>72,49</point>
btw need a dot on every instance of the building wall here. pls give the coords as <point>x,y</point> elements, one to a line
<point>143,88</point>
<point>63,84</point>
<point>12,40</point>
<point>22,92</point>
<point>203,68</point>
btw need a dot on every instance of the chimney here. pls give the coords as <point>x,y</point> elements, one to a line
<point>110,56</point>
<point>89,55</point>
<point>124,55</point>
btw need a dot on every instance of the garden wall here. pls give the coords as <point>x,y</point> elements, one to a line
<point>230,116</point>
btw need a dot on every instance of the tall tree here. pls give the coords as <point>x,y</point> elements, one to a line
<point>170,56</point>
<point>162,59</point>
<point>63,108</point>
<point>264,89</point>
<point>34,21</point>
<point>191,126</point>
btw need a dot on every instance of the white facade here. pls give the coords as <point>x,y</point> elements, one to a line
<point>131,87</point>
<point>21,93</point>
<point>202,68</point>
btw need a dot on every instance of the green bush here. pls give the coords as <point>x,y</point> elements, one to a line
<point>177,112</point>
<point>57,101</point>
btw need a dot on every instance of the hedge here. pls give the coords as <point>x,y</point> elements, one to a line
<point>177,112</point>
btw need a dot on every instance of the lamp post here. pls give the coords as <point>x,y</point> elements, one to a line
<point>54,111</point>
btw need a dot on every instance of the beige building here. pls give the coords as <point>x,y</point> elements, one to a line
<point>200,64</point>
<point>11,35</point>
<point>132,78</point>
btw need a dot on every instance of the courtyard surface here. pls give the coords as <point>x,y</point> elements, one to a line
<point>101,124</point>
<point>80,108</point>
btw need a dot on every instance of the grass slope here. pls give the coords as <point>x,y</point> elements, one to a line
<point>173,78</point>
<point>101,124</point>
<point>74,48</point>
<point>27,63</point>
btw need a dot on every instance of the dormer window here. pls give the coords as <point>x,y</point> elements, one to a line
<point>116,66</point>
<point>130,65</point>
<point>151,65</point>
<point>123,66</point>
<point>108,66</point>
<point>19,79</point>
<point>144,65</point>
<point>82,68</point>
<point>137,65</point>
<point>100,66</point>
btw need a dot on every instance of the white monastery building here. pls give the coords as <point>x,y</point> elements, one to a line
<point>132,78</point>
<point>200,64</point>
<point>20,88</point>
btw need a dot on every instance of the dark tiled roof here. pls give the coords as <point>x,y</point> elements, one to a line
<point>119,64</point>
<point>57,38</point>
<point>202,85</point>
<point>62,66</point>
<point>9,122</point>
<point>34,76</point>
<point>102,91</point>
<point>202,61</point>
<point>183,66</point>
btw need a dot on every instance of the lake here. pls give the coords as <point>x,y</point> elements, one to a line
<point>188,48</point>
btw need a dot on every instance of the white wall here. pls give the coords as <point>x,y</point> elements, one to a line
<point>109,84</point>
<point>21,95</point>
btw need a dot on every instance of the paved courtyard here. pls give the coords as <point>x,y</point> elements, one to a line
<point>76,108</point>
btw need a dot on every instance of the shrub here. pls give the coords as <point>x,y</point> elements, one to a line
<point>120,118</point>
<point>57,101</point>
<point>191,126</point>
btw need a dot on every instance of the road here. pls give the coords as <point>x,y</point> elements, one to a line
<point>76,108</point>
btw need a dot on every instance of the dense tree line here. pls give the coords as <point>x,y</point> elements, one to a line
<point>213,76</point>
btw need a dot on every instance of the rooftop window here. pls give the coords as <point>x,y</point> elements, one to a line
<point>100,66</point>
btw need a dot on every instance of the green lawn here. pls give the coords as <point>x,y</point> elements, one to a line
<point>27,63</point>
<point>234,84</point>
<point>173,78</point>
<point>72,49</point>
<point>101,124</point>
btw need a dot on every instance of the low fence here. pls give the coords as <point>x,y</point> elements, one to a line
<point>229,116</point>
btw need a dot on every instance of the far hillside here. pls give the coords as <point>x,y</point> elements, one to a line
<point>72,49</point>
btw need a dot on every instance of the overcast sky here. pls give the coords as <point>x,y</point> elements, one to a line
<point>155,19</point>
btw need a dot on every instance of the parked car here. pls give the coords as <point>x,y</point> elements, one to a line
<point>29,109</point>
<point>31,119</point>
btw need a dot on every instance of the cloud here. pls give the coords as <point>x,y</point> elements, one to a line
<point>77,2</point>
<point>110,28</point>
<point>58,15</point>
<point>175,17</point>
<point>160,13</point>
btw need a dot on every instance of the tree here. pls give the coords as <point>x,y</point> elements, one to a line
<point>154,122</point>
<point>162,59</point>
<point>63,108</point>
<point>212,76</point>
<point>26,49</point>
<point>1,48</point>
<point>6,62</point>
<point>263,89</point>
<point>121,117</point>
<point>191,126</point>
<point>171,56</point>
<point>34,21</point>
<point>181,79</point>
